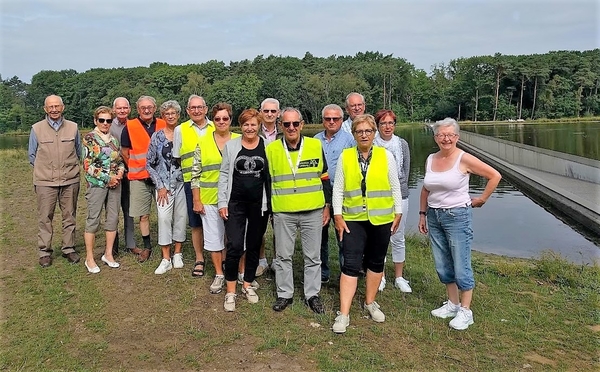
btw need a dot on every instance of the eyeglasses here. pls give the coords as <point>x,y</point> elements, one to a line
<point>273,111</point>
<point>332,119</point>
<point>196,108</point>
<point>220,119</point>
<point>387,123</point>
<point>442,136</point>
<point>102,121</point>
<point>169,114</point>
<point>147,108</point>
<point>364,132</point>
<point>54,107</point>
<point>286,124</point>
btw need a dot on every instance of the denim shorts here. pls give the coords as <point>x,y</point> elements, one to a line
<point>451,234</point>
<point>194,219</point>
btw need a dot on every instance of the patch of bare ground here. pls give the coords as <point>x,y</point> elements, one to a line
<point>534,357</point>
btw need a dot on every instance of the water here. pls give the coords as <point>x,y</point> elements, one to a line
<point>509,224</point>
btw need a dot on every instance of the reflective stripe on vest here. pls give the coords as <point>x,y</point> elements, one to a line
<point>211,159</point>
<point>189,141</point>
<point>140,141</point>
<point>378,205</point>
<point>304,191</point>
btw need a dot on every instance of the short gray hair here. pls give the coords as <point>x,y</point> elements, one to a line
<point>170,104</point>
<point>354,94</point>
<point>269,100</point>
<point>332,106</point>
<point>292,109</point>
<point>118,98</point>
<point>195,96</point>
<point>447,122</point>
<point>150,98</point>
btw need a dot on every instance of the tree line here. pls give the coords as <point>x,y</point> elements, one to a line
<point>559,84</point>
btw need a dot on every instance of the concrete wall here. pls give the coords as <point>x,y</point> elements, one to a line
<point>537,158</point>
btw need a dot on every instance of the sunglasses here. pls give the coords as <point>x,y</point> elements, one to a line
<point>218,119</point>
<point>332,119</point>
<point>286,124</point>
<point>102,121</point>
<point>267,111</point>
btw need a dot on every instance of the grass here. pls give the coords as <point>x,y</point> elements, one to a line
<point>534,315</point>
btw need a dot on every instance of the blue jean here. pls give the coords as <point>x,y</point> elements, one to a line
<point>451,234</point>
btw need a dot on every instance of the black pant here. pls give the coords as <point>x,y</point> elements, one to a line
<point>365,247</point>
<point>246,220</point>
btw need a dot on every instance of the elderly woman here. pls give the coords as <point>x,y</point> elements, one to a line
<point>385,137</point>
<point>170,196</point>
<point>205,177</point>
<point>367,208</point>
<point>104,168</point>
<point>446,215</point>
<point>244,204</point>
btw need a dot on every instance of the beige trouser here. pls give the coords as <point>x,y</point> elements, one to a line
<point>47,196</point>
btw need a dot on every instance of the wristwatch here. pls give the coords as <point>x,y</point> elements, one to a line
<point>422,213</point>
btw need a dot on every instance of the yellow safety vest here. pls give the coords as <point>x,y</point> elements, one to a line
<point>304,190</point>
<point>189,141</point>
<point>211,159</point>
<point>378,205</point>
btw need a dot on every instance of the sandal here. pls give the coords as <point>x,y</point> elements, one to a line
<point>197,273</point>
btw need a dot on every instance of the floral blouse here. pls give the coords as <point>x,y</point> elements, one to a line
<point>160,165</point>
<point>101,159</point>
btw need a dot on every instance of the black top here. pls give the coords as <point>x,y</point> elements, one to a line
<point>249,174</point>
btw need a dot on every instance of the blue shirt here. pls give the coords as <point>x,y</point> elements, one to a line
<point>333,148</point>
<point>33,143</point>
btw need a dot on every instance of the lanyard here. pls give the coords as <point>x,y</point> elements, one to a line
<point>289,158</point>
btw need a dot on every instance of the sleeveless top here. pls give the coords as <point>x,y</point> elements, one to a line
<point>448,189</point>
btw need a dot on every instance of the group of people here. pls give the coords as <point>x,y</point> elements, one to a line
<point>227,187</point>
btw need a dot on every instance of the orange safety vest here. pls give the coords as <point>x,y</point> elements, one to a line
<point>140,141</point>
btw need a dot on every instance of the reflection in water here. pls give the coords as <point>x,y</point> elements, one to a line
<point>580,138</point>
<point>510,223</point>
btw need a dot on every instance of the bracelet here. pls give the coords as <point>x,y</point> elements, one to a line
<point>422,213</point>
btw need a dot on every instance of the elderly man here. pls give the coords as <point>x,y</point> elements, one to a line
<point>122,109</point>
<point>185,141</point>
<point>334,141</point>
<point>135,141</point>
<point>355,105</point>
<point>301,196</point>
<point>55,151</point>
<point>269,108</point>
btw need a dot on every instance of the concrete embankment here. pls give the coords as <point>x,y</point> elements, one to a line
<point>567,184</point>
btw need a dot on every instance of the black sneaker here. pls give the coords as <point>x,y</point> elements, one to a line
<point>324,280</point>
<point>315,304</point>
<point>282,303</point>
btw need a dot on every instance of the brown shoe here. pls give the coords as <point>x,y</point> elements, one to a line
<point>46,261</point>
<point>144,255</point>
<point>72,257</point>
<point>135,250</point>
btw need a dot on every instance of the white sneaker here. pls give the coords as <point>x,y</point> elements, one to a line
<point>178,260</point>
<point>217,284</point>
<point>261,269</point>
<point>250,294</point>
<point>241,281</point>
<point>229,304</point>
<point>463,319</point>
<point>341,323</point>
<point>402,284</point>
<point>382,284</point>
<point>447,310</point>
<point>376,314</point>
<point>164,266</point>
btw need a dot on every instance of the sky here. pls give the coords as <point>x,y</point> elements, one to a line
<point>41,35</point>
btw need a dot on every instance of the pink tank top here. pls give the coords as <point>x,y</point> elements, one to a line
<point>448,189</point>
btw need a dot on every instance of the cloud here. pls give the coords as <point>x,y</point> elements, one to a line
<point>68,34</point>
